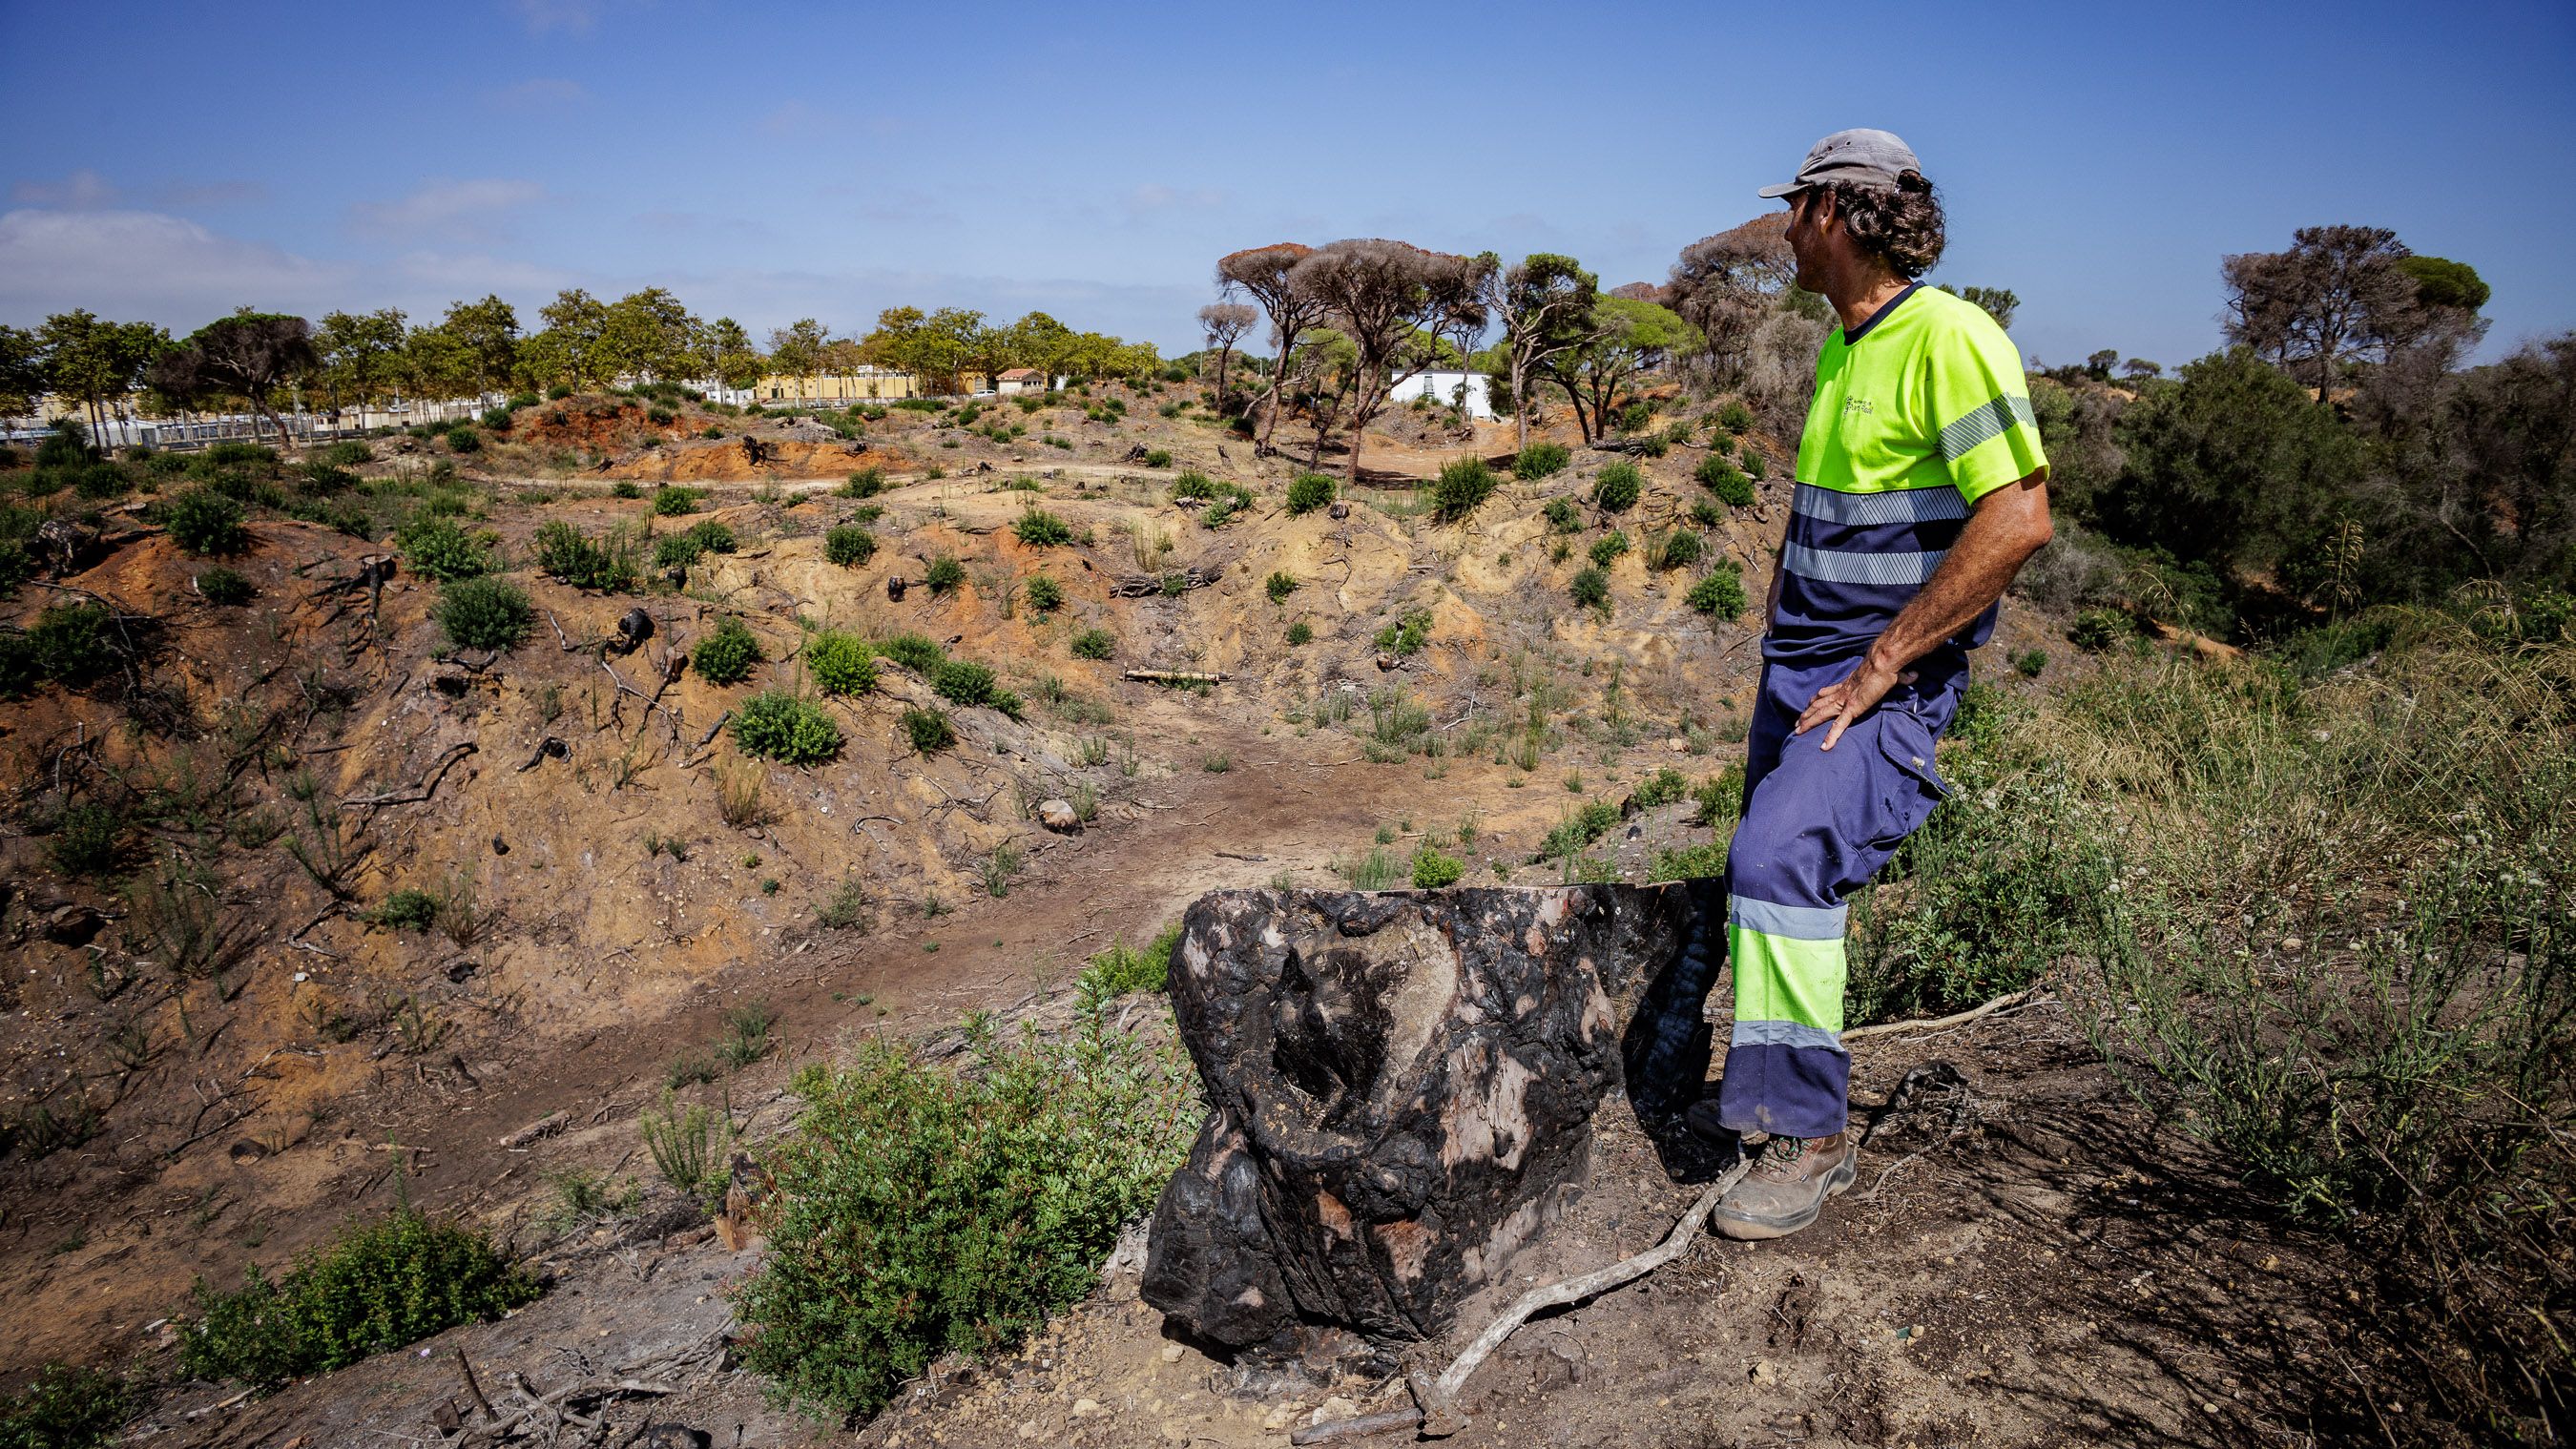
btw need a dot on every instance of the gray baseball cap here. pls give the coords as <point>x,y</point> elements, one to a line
<point>1861,158</point>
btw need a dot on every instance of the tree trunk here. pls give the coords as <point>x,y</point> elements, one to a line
<point>1222,354</point>
<point>1403,1088</point>
<point>1520,404</point>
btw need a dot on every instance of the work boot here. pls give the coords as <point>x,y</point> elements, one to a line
<point>1787,1188</point>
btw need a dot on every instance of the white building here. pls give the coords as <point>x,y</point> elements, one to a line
<point>1464,388</point>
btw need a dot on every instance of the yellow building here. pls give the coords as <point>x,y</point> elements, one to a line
<point>836,389</point>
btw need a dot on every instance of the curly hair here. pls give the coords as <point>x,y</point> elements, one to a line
<point>1903,227</point>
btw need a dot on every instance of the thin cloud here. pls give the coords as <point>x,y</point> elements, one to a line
<point>463,211</point>
<point>541,93</point>
<point>83,190</point>
<point>570,17</point>
<point>148,265</point>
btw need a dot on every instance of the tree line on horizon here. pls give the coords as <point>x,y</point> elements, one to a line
<point>352,359</point>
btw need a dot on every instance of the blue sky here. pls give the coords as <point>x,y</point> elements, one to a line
<point>773,162</point>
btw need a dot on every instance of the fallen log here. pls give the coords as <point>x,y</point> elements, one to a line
<point>1174,676</point>
<point>1139,586</point>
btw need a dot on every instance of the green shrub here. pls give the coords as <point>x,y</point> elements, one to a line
<point>1308,492</point>
<point>2098,629</point>
<point>1432,869</point>
<point>1706,513</point>
<point>1094,644</point>
<point>1562,516</point>
<point>962,681</point>
<point>1158,458</point>
<point>1660,788</point>
<point>1044,594</point>
<point>348,453</point>
<point>1675,550</point>
<point>1590,587</point>
<point>1539,460</point>
<point>70,644</point>
<point>440,549</point>
<point>841,662</point>
<point>1609,546</point>
<point>233,453</point>
<point>1704,861</point>
<point>1735,418</point>
<point>1753,465</point>
<point>670,500</point>
<point>497,419</point>
<point>777,725</point>
<point>224,584</point>
<point>1124,968</point>
<point>1720,592</point>
<point>914,652</point>
<point>1301,633</point>
<point>463,439</point>
<point>1407,634</point>
<point>944,575</point>
<point>483,613</point>
<point>928,730</point>
<point>1720,477</point>
<point>378,1287</point>
<point>575,558</point>
<point>1280,585</point>
<point>2031,664</point>
<point>922,1211</point>
<point>1617,487</point>
<point>1461,486</point>
<point>848,544</point>
<point>727,654</point>
<point>865,483</point>
<point>624,488</point>
<point>323,478</point>
<point>1579,829</point>
<point>1193,484</point>
<point>202,521</point>
<point>1040,529</point>
<point>660,416</point>
<point>88,840</point>
<point>64,1407</point>
<point>407,910</point>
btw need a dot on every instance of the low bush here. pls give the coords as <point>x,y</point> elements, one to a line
<point>928,730</point>
<point>1562,515</point>
<point>203,522</point>
<point>678,550</point>
<point>1617,487</point>
<point>1590,587</point>
<point>2031,664</point>
<point>497,419</point>
<point>914,652</point>
<point>483,613</point>
<point>726,655</point>
<point>1279,585</point>
<point>841,662</point>
<point>944,575</point>
<point>463,439</point>
<point>1579,829</point>
<point>962,681</point>
<point>1432,869</point>
<point>671,500</point>
<point>1461,486</point>
<point>1719,592</point>
<point>778,725</point>
<point>348,453</point>
<point>1675,550</point>
<point>1722,478</point>
<point>865,483</point>
<point>377,1287</point>
<point>1660,788</point>
<point>1158,458</point>
<point>1301,633</point>
<point>1040,529</point>
<point>1193,484</point>
<point>440,549</point>
<point>1540,460</point>
<point>1044,594</point>
<point>1754,468</point>
<point>848,545</point>
<point>226,585</point>
<point>1308,492</point>
<point>1608,547</point>
<point>69,644</point>
<point>923,1211</point>
<point>1094,644</point>
<point>607,565</point>
<point>406,910</point>
<point>2095,630</point>
<point>1735,418</point>
<point>64,1407</point>
<point>1124,968</point>
<point>88,840</point>
<point>1407,634</point>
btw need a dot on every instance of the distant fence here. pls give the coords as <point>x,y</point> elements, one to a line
<point>183,434</point>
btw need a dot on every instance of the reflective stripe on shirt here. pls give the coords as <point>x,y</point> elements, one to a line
<point>1904,505</point>
<point>1834,566</point>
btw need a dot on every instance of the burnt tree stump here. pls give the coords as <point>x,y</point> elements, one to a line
<point>1403,1086</point>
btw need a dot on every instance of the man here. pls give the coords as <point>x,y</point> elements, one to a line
<point>1921,491</point>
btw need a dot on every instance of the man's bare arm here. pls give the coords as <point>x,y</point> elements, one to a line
<point>2006,528</point>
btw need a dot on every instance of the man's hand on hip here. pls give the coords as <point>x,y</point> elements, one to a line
<point>1850,697</point>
